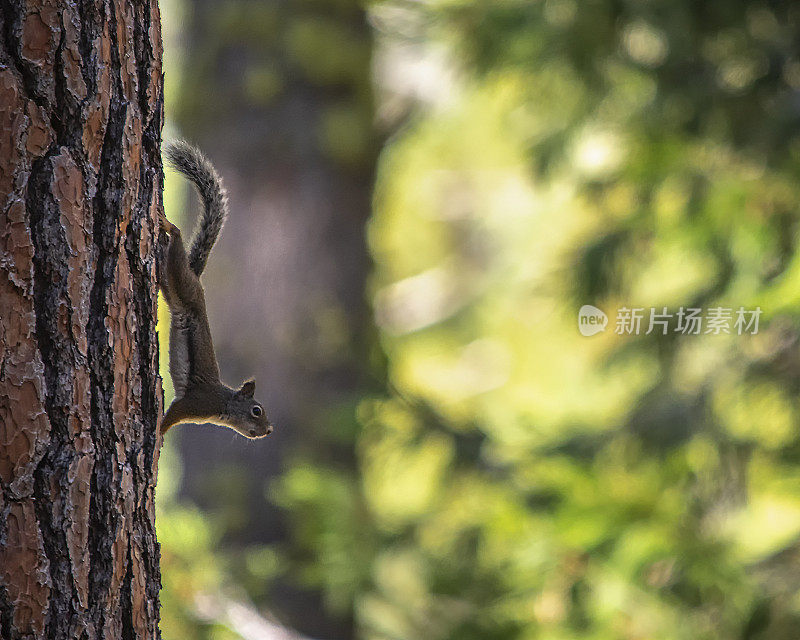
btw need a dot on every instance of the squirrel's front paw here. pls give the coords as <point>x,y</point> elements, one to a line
<point>167,226</point>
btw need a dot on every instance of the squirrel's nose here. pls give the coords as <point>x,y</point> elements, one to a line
<point>269,429</point>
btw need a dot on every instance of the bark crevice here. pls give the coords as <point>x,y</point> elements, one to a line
<point>104,519</point>
<point>59,355</point>
<point>6,610</point>
<point>10,10</point>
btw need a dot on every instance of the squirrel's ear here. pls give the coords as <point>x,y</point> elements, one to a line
<point>248,389</point>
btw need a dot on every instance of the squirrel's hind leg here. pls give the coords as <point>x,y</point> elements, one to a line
<point>179,353</point>
<point>184,286</point>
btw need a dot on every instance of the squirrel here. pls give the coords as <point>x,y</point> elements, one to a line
<point>199,395</point>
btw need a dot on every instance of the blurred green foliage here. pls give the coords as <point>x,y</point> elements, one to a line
<point>517,480</point>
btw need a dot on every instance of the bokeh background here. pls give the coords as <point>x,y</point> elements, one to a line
<point>424,193</point>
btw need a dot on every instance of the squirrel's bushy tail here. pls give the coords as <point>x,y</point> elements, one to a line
<point>187,159</point>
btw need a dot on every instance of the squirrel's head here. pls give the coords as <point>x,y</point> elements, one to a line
<point>246,415</point>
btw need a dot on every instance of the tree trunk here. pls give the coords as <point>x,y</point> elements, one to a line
<point>80,184</point>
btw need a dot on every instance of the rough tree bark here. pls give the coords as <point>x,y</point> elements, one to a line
<point>81,110</point>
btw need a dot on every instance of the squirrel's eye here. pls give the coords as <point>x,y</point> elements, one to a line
<point>256,411</point>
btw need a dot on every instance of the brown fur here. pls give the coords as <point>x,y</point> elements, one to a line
<point>200,397</point>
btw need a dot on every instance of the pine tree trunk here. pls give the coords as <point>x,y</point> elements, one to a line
<point>81,109</point>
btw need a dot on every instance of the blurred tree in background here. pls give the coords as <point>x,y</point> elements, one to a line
<point>513,479</point>
<point>279,95</point>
